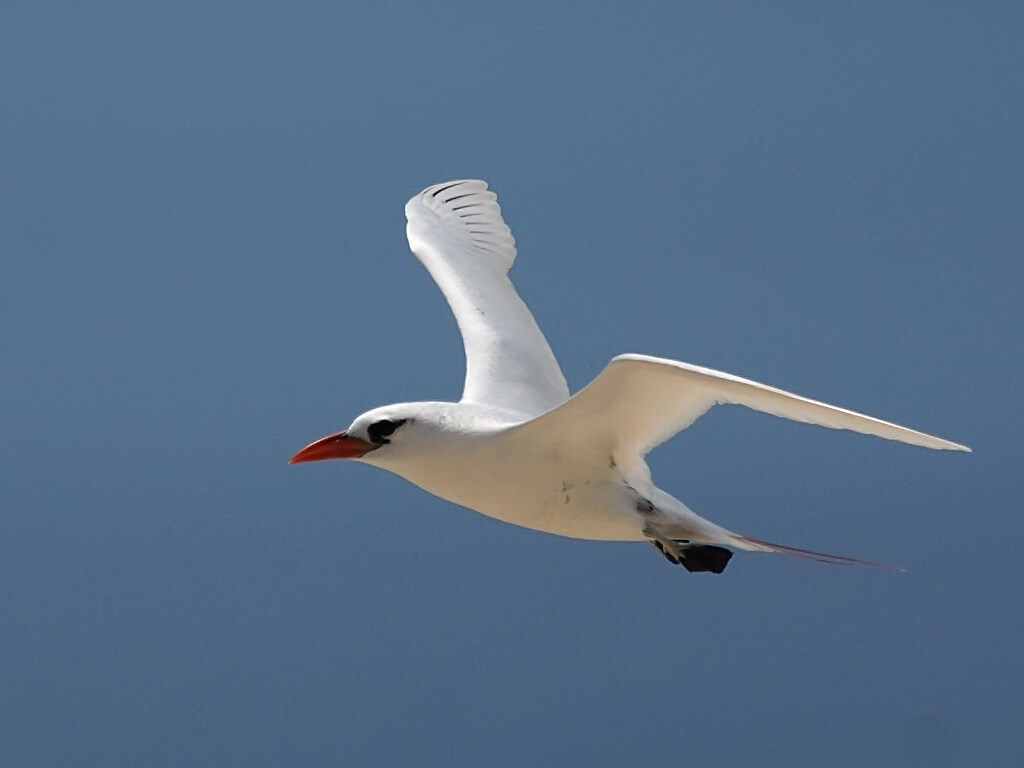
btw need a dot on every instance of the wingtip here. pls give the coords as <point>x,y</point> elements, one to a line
<point>461,212</point>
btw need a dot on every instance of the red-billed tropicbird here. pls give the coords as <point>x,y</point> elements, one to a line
<point>518,448</point>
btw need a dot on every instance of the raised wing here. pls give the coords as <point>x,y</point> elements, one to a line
<point>638,402</point>
<point>456,230</point>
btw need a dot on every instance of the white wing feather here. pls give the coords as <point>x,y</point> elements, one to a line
<point>457,232</point>
<point>637,402</point>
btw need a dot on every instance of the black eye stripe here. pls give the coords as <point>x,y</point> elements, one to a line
<point>380,431</point>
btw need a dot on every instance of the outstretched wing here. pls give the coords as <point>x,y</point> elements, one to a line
<point>638,402</point>
<point>456,230</point>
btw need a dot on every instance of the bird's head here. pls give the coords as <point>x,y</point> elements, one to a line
<point>385,435</point>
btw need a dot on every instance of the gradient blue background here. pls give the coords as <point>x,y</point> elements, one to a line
<point>203,267</point>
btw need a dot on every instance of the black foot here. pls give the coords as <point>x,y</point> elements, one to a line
<point>696,558</point>
<point>705,557</point>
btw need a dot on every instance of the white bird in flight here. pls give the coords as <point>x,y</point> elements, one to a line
<point>518,448</point>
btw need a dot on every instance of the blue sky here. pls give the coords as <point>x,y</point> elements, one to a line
<point>203,266</point>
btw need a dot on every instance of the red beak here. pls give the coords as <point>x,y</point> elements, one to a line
<point>339,446</point>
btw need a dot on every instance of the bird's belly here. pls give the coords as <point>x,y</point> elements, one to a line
<point>577,501</point>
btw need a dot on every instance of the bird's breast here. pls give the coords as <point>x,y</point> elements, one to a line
<point>539,489</point>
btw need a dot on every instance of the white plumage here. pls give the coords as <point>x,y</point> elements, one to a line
<point>518,448</point>
<point>456,231</point>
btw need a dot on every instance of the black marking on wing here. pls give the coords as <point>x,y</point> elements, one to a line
<point>439,190</point>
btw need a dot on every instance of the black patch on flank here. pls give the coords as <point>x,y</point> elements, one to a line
<point>611,462</point>
<point>645,506</point>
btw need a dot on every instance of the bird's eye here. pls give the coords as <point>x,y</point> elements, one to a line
<point>380,431</point>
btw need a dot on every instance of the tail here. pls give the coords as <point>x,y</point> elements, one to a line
<point>759,545</point>
<point>678,523</point>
